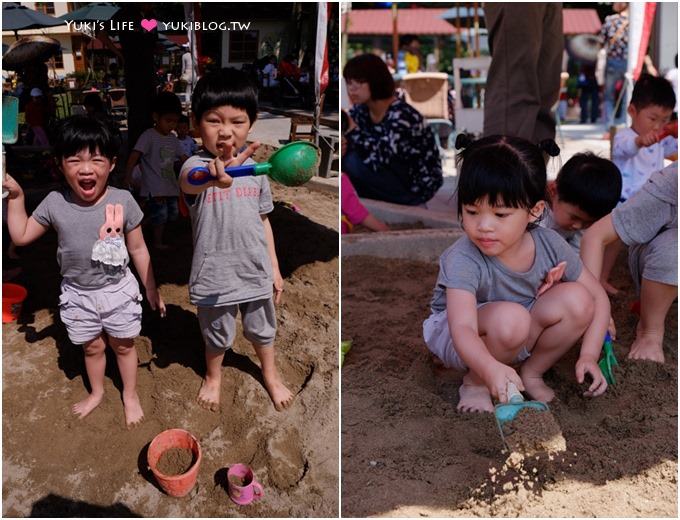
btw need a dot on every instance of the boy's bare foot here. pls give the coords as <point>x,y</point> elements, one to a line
<point>133,410</point>
<point>611,290</point>
<point>209,395</point>
<point>474,397</point>
<point>647,347</point>
<point>84,407</point>
<point>537,389</point>
<point>279,393</point>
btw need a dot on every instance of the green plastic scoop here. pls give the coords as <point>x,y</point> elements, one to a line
<point>10,127</point>
<point>292,165</point>
<point>608,361</point>
<point>506,412</point>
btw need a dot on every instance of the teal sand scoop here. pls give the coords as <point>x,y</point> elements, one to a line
<point>506,412</point>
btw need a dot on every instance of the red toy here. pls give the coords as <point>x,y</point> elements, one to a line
<point>670,129</point>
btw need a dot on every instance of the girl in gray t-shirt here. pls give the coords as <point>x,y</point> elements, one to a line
<point>498,300</point>
<point>98,229</point>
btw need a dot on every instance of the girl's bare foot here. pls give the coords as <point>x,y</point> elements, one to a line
<point>474,397</point>
<point>84,407</point>
<point>133,410</point>
<point>647,347</point>
<point>537,389</point>
<point>278,392</point>
<point>209,395</point>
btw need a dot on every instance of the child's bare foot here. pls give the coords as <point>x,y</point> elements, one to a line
<point>279,393</point>
<point>474,397</point>
<point>647,346</point>
<point>611,290</point>
<point>209,395</point>
<point>133,410</point>
<point>84,407</point>
<point>537,389</point>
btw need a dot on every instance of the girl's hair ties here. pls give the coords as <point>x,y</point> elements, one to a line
<point>463,140</point>
<point>550,147</point>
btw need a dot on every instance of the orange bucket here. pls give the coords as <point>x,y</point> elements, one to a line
<point>174,485</point>
<point>13,296</point>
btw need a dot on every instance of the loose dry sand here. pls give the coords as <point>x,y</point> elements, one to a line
<point>57,465</point>
<point>407,452</point>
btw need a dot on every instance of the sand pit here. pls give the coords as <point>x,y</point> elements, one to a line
<point>57,465</point>
<point>407,452</point>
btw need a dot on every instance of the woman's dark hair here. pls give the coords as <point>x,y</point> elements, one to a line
<point>510,171</point>
<point>79,132</point>
<point>369,68</point>
<point>227,86</point>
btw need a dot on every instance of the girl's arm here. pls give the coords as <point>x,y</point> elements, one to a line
<point>271,249</point>
<point>22,229</point>
<point>593,338</point>
<point>140,257</point>
<point>461,311</point>
<point>133,159</point>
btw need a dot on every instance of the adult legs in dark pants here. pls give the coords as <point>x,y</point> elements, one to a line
<point>389,185</point>
<point>523,83</point>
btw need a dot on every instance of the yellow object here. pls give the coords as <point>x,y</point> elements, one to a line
<point>412,62</point>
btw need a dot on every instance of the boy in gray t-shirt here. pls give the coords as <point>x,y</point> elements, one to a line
<point>648,224</point>
<point>234,265</point>
<point>98,230</point>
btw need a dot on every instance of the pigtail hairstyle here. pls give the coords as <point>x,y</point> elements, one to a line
<point>509,171</point>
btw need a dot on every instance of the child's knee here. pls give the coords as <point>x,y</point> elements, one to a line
<point>122,348</point>
<point>95,347</point>
<point>511,329</point>
<point>579,303</point>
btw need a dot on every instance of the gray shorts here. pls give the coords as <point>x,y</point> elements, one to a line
<point>657,260</point>
<point>438,339</point>
<point>218,324</point>
<point>116,309</point>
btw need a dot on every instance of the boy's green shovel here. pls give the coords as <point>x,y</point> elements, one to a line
<point>506,412</point>
<point>291,165</point>
<point>10,127</point>
<point>608,361</point>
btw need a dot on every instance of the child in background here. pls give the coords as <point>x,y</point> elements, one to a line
<point>36,117</point>
<point>587,188</point>
<point>234,265</point>
<point>648,224</point>
<point>637,150</point>
<point>354,212</point>
<point>97,227</point>
<point>188,143</point>
<point>156,151</point>
<point>497,300</point>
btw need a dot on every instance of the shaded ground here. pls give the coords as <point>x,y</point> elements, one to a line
<point>407,452</point>
<point>57,465</point>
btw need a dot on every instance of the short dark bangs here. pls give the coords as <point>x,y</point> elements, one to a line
<point>226,87</point>
<point>77,133</point>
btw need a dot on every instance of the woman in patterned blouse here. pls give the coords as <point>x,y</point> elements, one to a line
<point>391,154</point>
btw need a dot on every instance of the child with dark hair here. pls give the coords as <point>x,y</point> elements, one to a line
<point>497,302</point>
<point>188,143</point>
<point>98,229</point>
<point>156,151</point>
<point>234,267</point>
<point>638,152</point>
<point>587,188</point>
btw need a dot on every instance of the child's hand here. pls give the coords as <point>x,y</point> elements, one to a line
<point>12,187</point>
<point>497,381</point>
<point>278,286</point>
<point>156,301</point>
<point>216,166</point>
<point>589,366</point>
<point>612,328</point>
<point>648,139</point>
